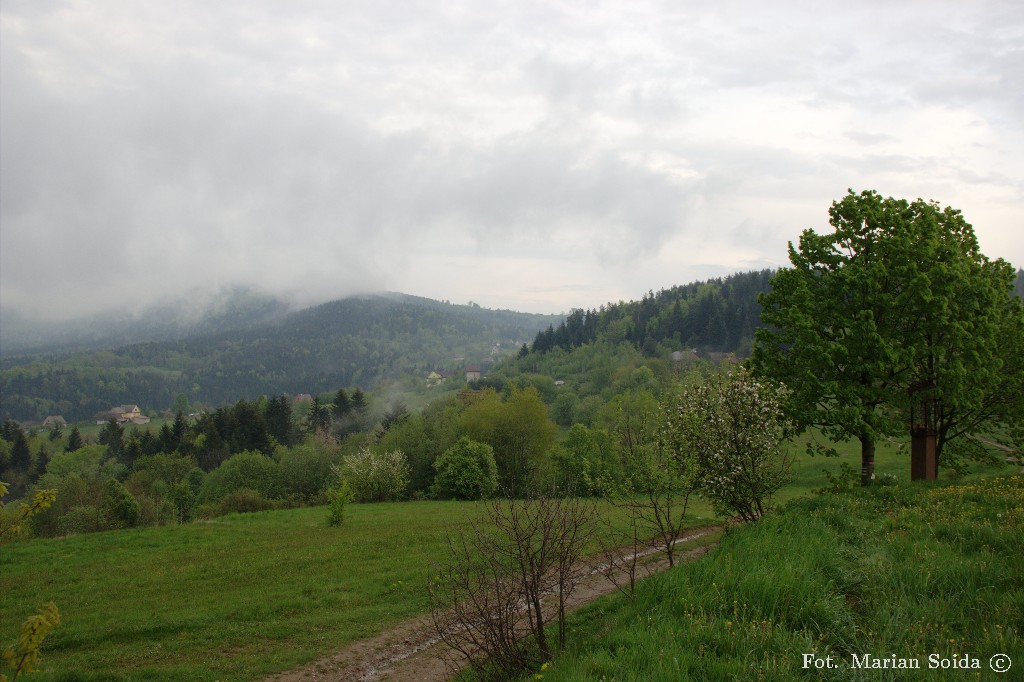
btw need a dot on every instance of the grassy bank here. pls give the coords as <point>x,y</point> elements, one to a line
<point>904,571</point>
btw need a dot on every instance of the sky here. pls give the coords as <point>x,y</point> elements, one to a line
<point>534,156</point>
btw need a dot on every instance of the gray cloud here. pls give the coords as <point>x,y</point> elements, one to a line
<point>580,151</point>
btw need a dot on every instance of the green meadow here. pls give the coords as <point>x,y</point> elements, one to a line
<point>228,599</point>
<point>246,595</point>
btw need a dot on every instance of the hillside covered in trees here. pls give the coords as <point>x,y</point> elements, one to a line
<point>716,315</point>
<point>350,342</point>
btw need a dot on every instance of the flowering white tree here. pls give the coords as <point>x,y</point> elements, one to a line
<point>734,427</point>
<point>375,477</point>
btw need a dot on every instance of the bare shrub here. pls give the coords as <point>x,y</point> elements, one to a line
<point>511,573</point>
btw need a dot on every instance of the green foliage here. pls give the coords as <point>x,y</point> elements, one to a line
<point>90,461</point>
<point>720,314</point>
<point>251,470</point>
<point>375,476</point>
<point>898,293</point>
<point>337,500</point>
<point>24,656</point>
<point>585,463</point>
<point>120,507</point>
<point>305,470</point>
<point>79,478</point>
<point>81,518</point>
<point>733,426</point>
<point>423,437</point>
<point>162,485</point>
<point>21,453</point>
<point>518,429</point>
<point>631,419</point>
<point>238,501</point>
<point>466,471</point>
<point>13,517</point>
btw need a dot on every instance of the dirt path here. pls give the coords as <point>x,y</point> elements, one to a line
<point>412,652</point>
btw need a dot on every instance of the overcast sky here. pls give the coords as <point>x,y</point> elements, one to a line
<point>530,155</point>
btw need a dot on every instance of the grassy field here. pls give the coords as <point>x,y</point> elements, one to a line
<point>245,595</point>
<point>229,599</point>
<point>924,573</point>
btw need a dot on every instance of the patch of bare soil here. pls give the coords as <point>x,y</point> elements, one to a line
<point>412,651</point>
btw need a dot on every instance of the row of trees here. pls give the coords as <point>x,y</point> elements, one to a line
<point>466,446</point>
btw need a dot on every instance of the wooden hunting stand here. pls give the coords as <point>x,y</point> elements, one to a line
<point>925,409</point>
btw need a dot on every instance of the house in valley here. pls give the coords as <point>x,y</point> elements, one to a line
<point>123,414</point>
<point>436,377</point>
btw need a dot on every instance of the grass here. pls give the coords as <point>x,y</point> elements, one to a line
<point>246,595</point>
<point>898,570</point>
<point>230,599</point>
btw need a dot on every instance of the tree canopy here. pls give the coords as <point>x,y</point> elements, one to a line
<point>899,293</point>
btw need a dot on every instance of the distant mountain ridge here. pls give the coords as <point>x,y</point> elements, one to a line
<point>192,315</point>
<point>356,341</point>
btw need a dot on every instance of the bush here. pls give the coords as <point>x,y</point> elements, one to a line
<point>585,462</point>
<point>375,477</point>
<point>305,471</point>
<point>338,498</point>
<point>120,507</point>
<point>251,470</point>
<point>82,519</point>
<point>466,471</point>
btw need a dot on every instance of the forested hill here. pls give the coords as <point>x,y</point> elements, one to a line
<point>714,315</point>
<point>350,342</point>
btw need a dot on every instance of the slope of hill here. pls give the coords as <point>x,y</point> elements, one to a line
<point>354,341</point>
<point>716,315</point>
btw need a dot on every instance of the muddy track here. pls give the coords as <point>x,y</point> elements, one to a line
<point>412,651</point>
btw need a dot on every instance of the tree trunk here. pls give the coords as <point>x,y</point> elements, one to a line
<point>867,460</point>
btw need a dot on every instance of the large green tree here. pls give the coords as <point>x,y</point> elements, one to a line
<point>897,294</point>
<point>519,430</point>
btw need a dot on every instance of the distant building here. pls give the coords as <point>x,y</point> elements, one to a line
<point>472,373</point>
<point>435,377</point>
<point>123,414</point>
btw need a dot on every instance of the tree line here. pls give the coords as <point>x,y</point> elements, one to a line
<point>719,315</point>
<point>350,342</point>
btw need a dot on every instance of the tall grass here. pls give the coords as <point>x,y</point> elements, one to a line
<point>903,570</point>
